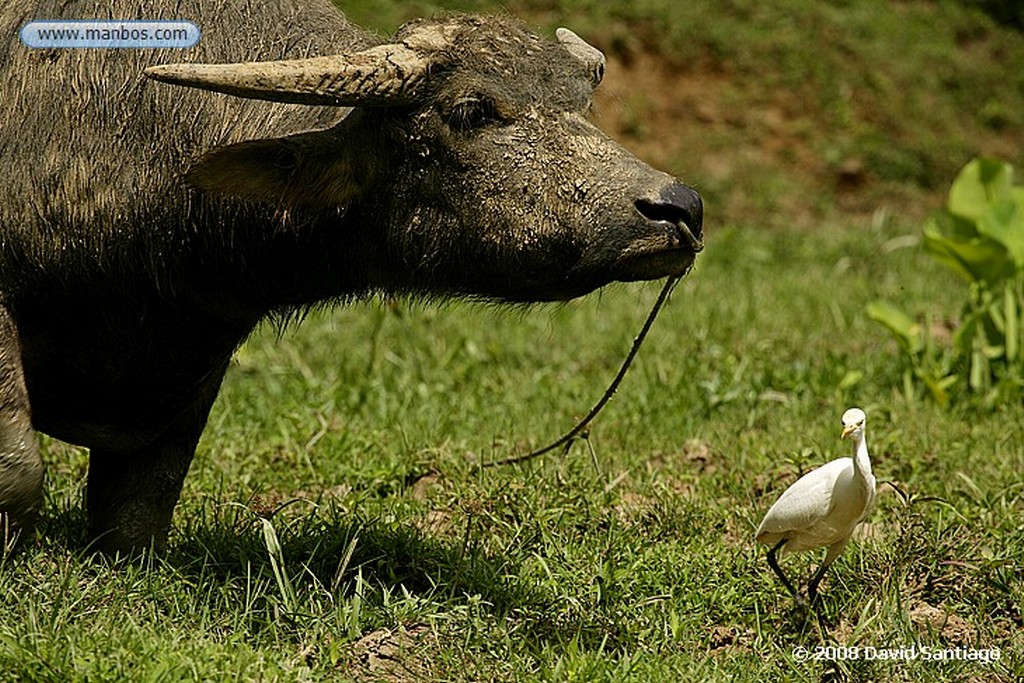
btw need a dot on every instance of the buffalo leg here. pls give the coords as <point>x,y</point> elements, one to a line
<point>130,496</point>
<point>21,470</point>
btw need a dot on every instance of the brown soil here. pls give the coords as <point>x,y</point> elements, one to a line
<point>754,153</point>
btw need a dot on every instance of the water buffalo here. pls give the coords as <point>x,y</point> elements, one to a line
<point>146,228</point>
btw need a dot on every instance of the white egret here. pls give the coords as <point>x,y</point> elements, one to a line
<point>822,508</point>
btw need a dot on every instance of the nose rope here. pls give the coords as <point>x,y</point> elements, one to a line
<point>583,424</point>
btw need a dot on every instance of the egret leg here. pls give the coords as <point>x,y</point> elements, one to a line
<point>834,551</point>
<point>773,563</point>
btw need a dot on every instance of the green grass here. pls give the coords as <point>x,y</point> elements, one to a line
<point>628,558</point>
<point>356,435</point>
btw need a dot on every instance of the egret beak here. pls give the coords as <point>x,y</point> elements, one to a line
<point>847,430</point>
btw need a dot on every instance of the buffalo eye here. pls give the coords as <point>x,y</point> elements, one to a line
<point>469,113</point>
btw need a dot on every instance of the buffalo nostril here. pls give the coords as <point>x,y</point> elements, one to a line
<point>679,205</point>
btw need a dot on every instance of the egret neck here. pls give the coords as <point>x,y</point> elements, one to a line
<point>862,464</point>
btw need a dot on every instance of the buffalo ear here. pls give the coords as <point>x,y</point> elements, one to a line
<point>302,169</point>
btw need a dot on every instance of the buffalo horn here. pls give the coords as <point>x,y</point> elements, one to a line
<point>385,75</point>
<point>589,55</point>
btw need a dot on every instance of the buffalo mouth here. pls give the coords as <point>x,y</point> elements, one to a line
<point>655,257</point>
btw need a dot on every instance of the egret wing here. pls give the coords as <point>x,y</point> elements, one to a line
<point>807,501</point>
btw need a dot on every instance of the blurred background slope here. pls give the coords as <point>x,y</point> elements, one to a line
<point>783,112</point>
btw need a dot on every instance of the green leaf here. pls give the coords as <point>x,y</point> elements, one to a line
<point>937,387</point>
<point>963,338</point>
<point>995,324</point>
<point>903,328</point>
<point>1003,221</point>
<point>1017,195</point>
<point>973,258</point>
<point>979,378</point>
<point>983,202</point>
<point>979,183</point>
<point>284,584</point>
<point>1012,313</point>
<point>954,227</point>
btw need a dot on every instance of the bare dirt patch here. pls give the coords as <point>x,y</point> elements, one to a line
<point>950,627</point>
<point>391,655</point>
<point>688,122</point>
<point>731,639</point>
